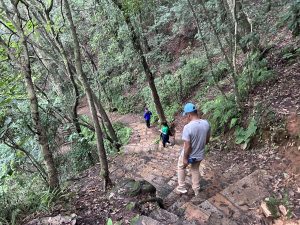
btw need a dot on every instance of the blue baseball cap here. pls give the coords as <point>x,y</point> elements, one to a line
<point>188,108</point>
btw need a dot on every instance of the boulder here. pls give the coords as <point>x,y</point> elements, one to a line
<point>144,220</point>
<point>131,187</point>
<point>56,220</point>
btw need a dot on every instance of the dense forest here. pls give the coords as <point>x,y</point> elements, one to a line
<point>71,69</point>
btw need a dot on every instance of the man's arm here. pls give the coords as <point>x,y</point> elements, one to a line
<point>208,136</point>
<point>187,151</point>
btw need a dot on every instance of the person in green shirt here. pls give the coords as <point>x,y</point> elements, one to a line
<point>165,134</point>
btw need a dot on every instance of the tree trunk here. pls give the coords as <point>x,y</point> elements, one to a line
<point>231,64</point>
<point>242,19</point>
<point>205,48</point>
<point>88,91</point>
<point>67,64</point>
<point>25,66</point>
<point>52,38</point>
<point>209,19</point>
<point>234,75</point>
<point>137,46</point>
<point>40,130</point>
<point>107,122</point>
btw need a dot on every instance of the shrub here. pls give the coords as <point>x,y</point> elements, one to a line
<point>123,132</point>
<point>170,111</point>
<point>244,136</point>
<point>220,112</point>
<point>273,204</point>
<point>23,193</point>
<point>255,71</point>
<point>220,71</point>
<point>292,18</point>
<point>81,156</point>
<point>192,74</point>
<point>290,52</point>
<point>171,87</point>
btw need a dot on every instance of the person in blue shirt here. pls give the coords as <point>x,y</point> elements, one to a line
<point>147,117</point>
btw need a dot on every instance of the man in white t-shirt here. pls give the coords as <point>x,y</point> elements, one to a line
<point>195,135</point>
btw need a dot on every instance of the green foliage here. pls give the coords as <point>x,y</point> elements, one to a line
<point>123,132</point>
<point>244,136</point>
<point>110,222</point>
<point>23,194</point>
<point>134,220</point>
<point>132,6</point>
<point>130,206</point>
<point>220,112</point>
<point>273,203</point>
<point>176,86</point>
<point>220,71</point>
<point>192,73</point>
<point>292,18</point>
<point>171,110</point>
<point>254,72</point>
<point>81,156</point>
<point>289,52</point>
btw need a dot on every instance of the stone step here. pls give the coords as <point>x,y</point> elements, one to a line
<point>193,213</point>
<point>230,206</point>
<point>164,216</point>
<point>234,201</point>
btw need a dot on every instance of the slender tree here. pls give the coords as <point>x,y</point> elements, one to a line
<point>205,48</point>
<point>25,66</point>
<point>138,47</point>
<point>231,64</point>
<point>89,94</point>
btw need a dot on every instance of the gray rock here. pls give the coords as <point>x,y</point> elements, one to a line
<point>131,187</point>
<point>57,220</point>
<point>144,220</point>
<point>164,216</point>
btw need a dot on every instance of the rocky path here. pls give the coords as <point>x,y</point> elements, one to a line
<point>234,183</point>
<point>233,187</point>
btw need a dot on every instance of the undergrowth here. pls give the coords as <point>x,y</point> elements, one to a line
<point>220,112</point>
<point>20,195</point>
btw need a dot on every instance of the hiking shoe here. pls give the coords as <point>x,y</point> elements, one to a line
<point>181,190</point>
<point>197,193</point>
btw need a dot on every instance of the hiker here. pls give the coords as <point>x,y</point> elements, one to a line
<point>147,117</point>
<point>196,135</point>
<point>165,134</point>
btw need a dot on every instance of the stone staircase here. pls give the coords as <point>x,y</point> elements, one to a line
<point>235,205</point>
<point>218,204</point>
